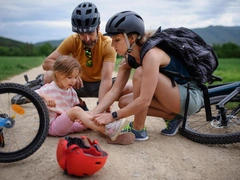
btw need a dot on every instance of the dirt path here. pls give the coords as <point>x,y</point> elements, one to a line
<point>158,158</point>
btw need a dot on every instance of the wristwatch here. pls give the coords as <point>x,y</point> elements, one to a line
<point>115,115</point>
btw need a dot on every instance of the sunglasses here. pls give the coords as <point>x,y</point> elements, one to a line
<point>88,54</point>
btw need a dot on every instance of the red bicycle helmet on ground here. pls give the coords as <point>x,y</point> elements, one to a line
<point>77,158</point>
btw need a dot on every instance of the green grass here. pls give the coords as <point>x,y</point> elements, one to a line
<point>228,70</point>
<point>10,66</point>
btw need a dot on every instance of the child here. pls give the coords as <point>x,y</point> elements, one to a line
<point>61,99</point>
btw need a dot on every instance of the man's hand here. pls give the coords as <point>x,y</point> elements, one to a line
<point>79,83</point>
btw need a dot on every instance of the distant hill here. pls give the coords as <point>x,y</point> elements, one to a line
<point>219,34</point>
<point>211,34</point>
<point>5,42</point>
<point>54,43</point>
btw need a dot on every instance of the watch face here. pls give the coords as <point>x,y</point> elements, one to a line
<point>114,114</point>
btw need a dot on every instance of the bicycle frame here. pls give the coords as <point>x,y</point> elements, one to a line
<point>222,89</point>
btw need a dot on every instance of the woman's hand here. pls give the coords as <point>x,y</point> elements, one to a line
<point>102,119</point>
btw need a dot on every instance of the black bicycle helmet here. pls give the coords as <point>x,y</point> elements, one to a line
<point>85,18</point>
<point>125,22</point>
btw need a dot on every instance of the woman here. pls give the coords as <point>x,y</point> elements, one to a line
<point>153,92</point>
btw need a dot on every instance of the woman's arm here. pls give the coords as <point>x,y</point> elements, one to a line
<point>148,75</point>
<point>114,93</point>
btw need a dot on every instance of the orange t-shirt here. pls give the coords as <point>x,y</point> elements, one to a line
<point>101,52</point>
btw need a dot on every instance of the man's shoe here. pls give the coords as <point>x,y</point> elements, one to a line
<point>114,128</point>
<point>172,126</point>
<point>139,135</point>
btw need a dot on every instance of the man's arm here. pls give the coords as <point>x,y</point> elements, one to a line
<point>106,81</point>
<point>49,61</point>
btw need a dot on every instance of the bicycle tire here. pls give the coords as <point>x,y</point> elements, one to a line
<point>195,128</point>
<point>39,116</point>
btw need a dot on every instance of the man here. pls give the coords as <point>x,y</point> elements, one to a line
<point>91,49</point>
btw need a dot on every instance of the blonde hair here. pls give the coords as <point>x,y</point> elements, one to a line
<point>65,66</point>
<point>143,38</point>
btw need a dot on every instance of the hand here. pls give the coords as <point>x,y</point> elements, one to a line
<point>79,121</point>
<point>49,101</point>
<point>102,119</point>
<point>79,83</point>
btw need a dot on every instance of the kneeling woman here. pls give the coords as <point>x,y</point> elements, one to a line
<point>153,92</point>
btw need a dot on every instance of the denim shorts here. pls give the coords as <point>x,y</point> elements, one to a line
<point>195,98</point>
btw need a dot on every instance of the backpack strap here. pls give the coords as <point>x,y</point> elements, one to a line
<point>152,42</point>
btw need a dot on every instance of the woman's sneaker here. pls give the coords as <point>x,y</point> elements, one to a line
<point>139,135</point>
<point>113,129</point>
<point>172,126</point>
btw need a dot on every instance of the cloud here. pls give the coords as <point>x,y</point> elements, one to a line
<point>37,21</point>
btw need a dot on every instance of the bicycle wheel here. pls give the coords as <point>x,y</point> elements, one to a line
<point>30,129</point>
<point>210,132</point>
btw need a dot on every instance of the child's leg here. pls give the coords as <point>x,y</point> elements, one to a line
<point>78,113</point>
<point>62,126</point>
<point>76,127</point>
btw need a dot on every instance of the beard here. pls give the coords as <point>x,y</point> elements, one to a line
<point>89,44</point>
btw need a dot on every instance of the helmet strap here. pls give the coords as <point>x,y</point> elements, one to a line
<point>129,50</point>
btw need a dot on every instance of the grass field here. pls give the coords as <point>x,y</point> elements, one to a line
<point>10,66</point>
<point>228,69</point>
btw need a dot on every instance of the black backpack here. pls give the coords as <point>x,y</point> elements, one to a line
<point>199,57</point>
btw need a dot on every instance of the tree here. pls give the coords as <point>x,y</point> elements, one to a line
<point>227,50</point>
<point>45,49</point>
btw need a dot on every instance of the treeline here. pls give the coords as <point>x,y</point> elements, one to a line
<point>226,50</point>
<point>27,49</point>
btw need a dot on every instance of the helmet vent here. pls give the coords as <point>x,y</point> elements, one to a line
<point>78,12</point>
<point>120,21</point>
<point>138,17</point>
<point>89,11</point>
<point>94,20</point>
<point>79,23</point>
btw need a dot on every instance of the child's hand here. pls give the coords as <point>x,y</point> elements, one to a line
<point>50,101</point>
<point>79,121</point>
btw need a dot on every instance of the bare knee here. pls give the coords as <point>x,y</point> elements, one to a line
<point>127,89</point>
<point>125,100</point>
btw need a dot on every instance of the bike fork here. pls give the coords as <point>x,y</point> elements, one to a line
<point>221,108</point>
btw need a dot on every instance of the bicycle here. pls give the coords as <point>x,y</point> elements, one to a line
<point>218,121</point>
<point>23,128</point>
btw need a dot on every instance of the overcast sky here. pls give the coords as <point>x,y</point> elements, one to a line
<point>36,21</point>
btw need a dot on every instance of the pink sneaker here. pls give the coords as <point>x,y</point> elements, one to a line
<point>113,129</point>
